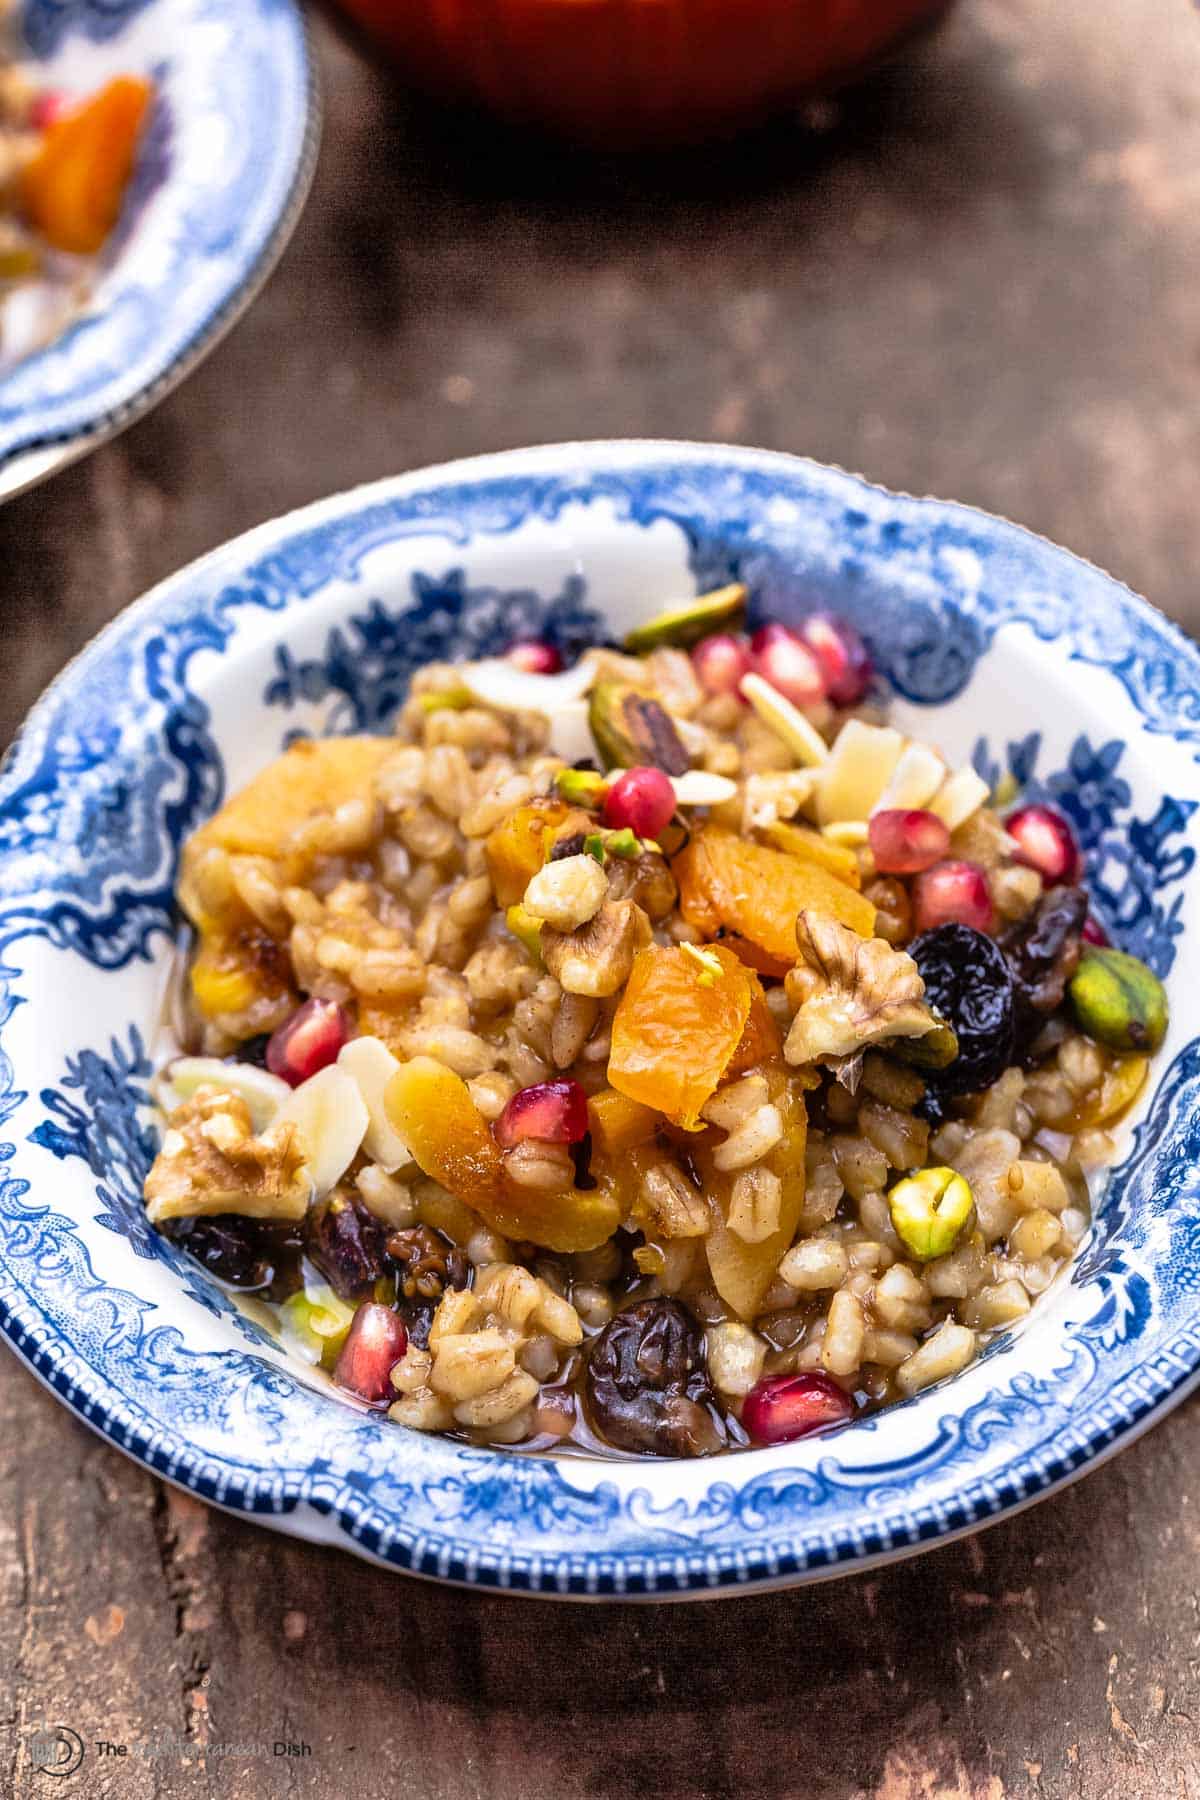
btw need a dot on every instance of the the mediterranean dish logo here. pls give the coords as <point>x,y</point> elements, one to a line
<point>58,1750</point>
<point>55,1749</point>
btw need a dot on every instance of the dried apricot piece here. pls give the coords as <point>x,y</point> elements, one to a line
<point>728,882</point>
<point>235,968</point>
<point>73,187</point>
<point>432,1109</point>
<point>677,1027</point>
<point>761,1042</point>
<point>619,1124</point>
<point>803,841</point>
<point>518,847</point>
<point>311,777</point>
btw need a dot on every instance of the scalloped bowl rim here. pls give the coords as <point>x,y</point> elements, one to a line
<point>295,1508</point>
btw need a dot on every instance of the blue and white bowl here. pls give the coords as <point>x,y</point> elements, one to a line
<point>996,645</point>
<point>222,175</point>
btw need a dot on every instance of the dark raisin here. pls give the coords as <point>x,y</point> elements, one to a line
<point>648,1388</point>
<point>1043,953</point>
<point>346,1242</point>
<point>426,1264</point>
<point>568,846</point>
<point>238,1251</point>
<point>969,984</point>
<point>252,1050</point>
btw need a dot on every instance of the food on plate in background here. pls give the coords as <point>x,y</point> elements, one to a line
<point>65,166</point>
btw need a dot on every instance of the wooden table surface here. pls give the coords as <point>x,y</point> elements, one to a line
<point>976,277</point>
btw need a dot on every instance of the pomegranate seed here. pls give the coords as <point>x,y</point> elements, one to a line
<point>535,658</point>
<point>1045,842</point>
<point>841,655</point>
<point>951,893</point>
<point>374,1345</point>
<point>310,1040</point>
<point>778,655</point>
<point>720,662</point>
<point>48,108</point>
<point>783,1407</point>
<point>642,799</point>
<point>553,1111</point>
<point>906,840</point>
<point>1094,933</point>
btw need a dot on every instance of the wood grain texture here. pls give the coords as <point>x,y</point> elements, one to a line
<point>975,277</point>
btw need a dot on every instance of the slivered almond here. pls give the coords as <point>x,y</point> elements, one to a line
<point>786,721</point>
<point>331,1120</point>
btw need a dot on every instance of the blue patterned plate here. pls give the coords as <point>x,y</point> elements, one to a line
<point>996,645</point>
<point>224,168</point>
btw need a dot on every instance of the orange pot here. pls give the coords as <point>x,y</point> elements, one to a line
<point>618,73</point>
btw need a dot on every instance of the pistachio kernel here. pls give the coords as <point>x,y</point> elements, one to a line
<point>526,928</point>
<point>1118,1001</point>
<point>685,625</point>
<point>581,787</point>
<point>929,1210</point>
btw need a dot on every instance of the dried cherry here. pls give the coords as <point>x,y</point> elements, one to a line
<point>968,981</point>
<point>648,1388</point>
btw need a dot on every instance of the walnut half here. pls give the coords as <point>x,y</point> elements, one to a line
<point>211,1162</point>
<point>597,958</point>
<point>852,991</point>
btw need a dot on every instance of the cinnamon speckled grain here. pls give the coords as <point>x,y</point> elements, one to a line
<point>974,277</point>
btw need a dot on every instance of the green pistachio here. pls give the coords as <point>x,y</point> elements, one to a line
<point>632,729</point>
<point>593,845</point>
<point>1118,1001</point>
<point>527,929</point>
<point>684,626</point>
<point>935,1049</point>
<point>624,843</point>
<point>581,787</point>
<point>709,967</point>
<point>929,1210</point>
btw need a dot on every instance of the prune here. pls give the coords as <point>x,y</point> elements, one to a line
<point>969,983</point>
<point>426,1264</point>
<point>648,1388</point>
<point>1043,953</point>
<point>346,1242</point>
<point>236,1250</point>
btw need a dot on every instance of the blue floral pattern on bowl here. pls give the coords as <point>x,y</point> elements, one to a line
<point>224,168</point>
<point>316,623</point>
